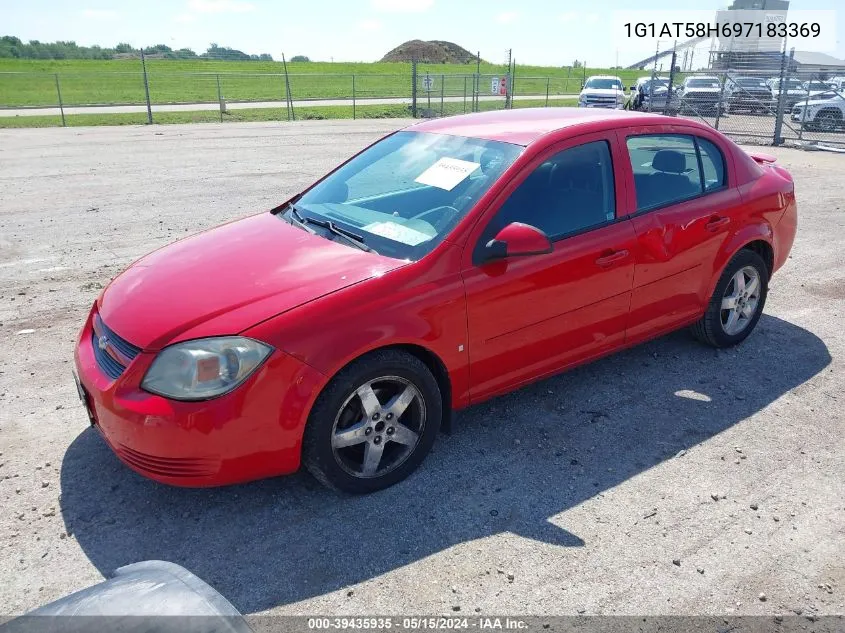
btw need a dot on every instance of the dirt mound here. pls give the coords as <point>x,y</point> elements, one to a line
<point>435,51</point>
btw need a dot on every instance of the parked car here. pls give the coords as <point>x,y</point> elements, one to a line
<point>824,113</point>
<point>815,88</point>
<point>151,596</point>
<point>602,91</point>
<point>793,92</point>
<point>749,94</point>
<point>652,95</point>
<point>837,83</point>
<point>448,263</point>
<point>702,96</point>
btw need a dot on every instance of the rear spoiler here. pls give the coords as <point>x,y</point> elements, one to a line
<point>762,159</point>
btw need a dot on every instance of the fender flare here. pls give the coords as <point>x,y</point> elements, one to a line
<point>759,231</point>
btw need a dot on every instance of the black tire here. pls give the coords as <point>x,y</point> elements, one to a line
<point>828,121</point>
<point>318,455</point>
<point>709,329</point>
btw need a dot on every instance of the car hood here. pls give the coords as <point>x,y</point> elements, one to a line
<point>227,279</point>
<point>602,92</point>
<point>660,92</point>
<point>702,90</point>
<point>818,102</point>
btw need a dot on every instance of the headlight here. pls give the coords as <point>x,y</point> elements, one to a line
<point>204,368</point>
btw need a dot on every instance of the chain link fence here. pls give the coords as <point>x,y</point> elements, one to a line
<point>758,99</point>
<point>766,99</point>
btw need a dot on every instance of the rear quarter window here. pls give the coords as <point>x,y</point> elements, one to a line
<point>712,164</point>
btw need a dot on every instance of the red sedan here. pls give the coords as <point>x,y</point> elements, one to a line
<point>450,262</point>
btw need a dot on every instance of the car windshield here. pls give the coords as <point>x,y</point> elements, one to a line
<point>750,82</point>
<point>818,85</point>
<point>702,83</point>
<point>405,193</point>
<point>603,84</point>
<point>792,84</point>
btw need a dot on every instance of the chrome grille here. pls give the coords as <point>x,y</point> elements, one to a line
<point>115,353</point>
<point>608,101</point>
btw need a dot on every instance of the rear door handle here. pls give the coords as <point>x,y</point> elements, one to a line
<point>716,222</point>
<point>610,259</point>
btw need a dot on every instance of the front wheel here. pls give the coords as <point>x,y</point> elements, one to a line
<point>737,302</point>
<point>374,423</point>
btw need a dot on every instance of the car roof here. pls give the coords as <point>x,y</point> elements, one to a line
<point>526,125</point>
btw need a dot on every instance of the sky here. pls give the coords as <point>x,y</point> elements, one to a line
<point>540,32</point>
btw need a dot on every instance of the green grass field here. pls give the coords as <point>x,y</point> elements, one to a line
<point>31,83</point>
<point>262,114</point>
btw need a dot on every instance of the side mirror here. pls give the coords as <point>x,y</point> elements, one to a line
<point>517,240</point>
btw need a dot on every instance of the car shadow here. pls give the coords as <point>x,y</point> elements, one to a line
<point>510,465</point>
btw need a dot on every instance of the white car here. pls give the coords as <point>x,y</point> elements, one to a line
<point>825,113</point>
<point>837,83</point>
<point>816,88</point>
<point>602,91</point>
<point>702,95</point>
<point>793,92</point>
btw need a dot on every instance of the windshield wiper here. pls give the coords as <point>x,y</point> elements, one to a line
<point>297,219</point>
<point>352,238</point>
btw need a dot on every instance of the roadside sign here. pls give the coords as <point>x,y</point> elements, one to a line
<point>494,86</point>
<point>428,83</point>
<point>499,86</point>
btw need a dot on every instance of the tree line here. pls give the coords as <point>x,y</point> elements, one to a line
<point>13,47</point>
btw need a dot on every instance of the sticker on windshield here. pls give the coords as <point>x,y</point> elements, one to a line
<point>398,233</point>
<point>446,173</point>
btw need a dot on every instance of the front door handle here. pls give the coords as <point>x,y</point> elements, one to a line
<point>716,222</point>
<point>611,258</point>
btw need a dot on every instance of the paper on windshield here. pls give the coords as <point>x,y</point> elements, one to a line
<point>397,232</point>
<point>446,173</point>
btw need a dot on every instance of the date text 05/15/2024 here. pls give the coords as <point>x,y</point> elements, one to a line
<point>416,623</point>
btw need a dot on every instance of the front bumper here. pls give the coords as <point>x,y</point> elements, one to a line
<point>701,103</point>
<point>605,106</point>
<point>751,101</point>
<point>255,431</point>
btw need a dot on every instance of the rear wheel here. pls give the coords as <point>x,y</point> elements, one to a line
<point>374,423</point>
<point>737,302</point>
<point>828,121</point>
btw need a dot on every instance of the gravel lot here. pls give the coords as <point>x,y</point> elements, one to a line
<point>573,495</point>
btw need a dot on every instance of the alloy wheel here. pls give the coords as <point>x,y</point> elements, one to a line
<point>827,123</point>
<point>740,301</point>
<point>378,427</point>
